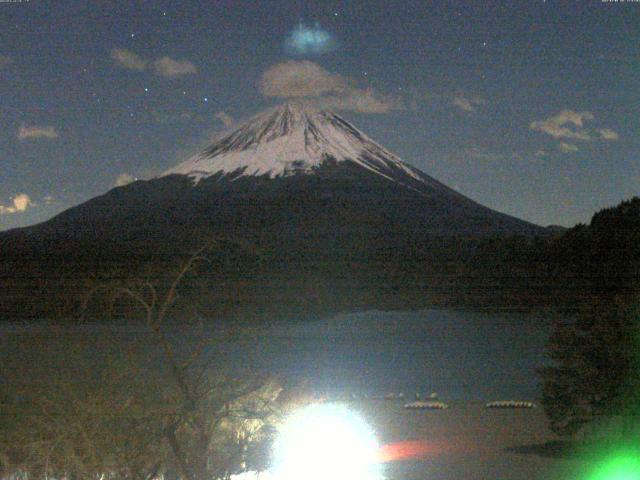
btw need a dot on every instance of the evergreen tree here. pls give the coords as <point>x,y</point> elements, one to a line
<point>596,370</point>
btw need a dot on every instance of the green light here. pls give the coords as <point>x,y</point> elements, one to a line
<point>624,466</point>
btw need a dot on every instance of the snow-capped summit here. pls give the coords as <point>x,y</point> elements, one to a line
<point>291,139</point>
<point>310,213</point>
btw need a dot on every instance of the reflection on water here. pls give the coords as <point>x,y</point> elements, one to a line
<point>460,355</point>
<point>463,356</point>
<point>457,354</point>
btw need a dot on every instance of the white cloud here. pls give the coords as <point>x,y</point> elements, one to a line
<point>608,134</point>
<point>306,40</point>
<point>128,59</point>
<point>165,66</point>
<point>168,67</point>
<point>567,147</point>
<point>19,203</point>
<point>363,101</point>
<point>306,79</point>
<point>124,179</point>
<point>34,132</point>
<point>468,104</point>
<point>225,118</point>
<point>300,79</point>
<point>569,124</point>
<point>566,124</point>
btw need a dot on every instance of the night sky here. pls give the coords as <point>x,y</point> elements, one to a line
<point>529,107</point>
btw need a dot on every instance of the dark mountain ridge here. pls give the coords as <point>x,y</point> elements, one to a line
<point>311,195</point>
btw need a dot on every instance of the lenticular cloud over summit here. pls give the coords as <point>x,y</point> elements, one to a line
<point>306,40</point>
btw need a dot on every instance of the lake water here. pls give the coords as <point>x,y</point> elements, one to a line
<point>466,442</point>
<point>458,354</point>
<point>466,357</point>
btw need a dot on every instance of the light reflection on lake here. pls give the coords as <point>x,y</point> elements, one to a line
<point>458,354</point>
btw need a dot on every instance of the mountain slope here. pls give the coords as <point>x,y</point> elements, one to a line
<point>290,166</point>
<point>292,139</point>
<point>312,194</point>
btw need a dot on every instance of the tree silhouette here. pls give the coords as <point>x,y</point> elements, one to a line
<point>85,405</point>
<point>596,370</point>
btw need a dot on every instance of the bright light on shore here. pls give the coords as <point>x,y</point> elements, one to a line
<point>326,442</point>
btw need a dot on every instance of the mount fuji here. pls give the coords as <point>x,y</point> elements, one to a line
<point>294,139</point>
<point>305,187</point>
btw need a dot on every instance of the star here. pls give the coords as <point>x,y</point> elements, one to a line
<point>133,35</point>
<point>206,99</point>
<point>146,89</point>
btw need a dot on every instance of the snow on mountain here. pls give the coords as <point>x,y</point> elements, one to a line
<point>295,138</point>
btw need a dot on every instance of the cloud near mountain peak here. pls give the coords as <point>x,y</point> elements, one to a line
<point>307,79</point>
